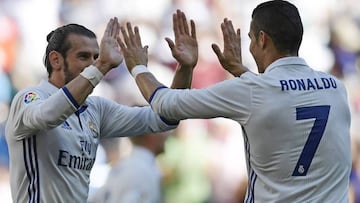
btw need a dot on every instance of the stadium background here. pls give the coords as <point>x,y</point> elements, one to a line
<point>204,158</point>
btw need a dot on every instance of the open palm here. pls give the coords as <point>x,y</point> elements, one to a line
<point>185,48</point>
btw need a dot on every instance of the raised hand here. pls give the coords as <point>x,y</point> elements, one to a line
<point>230,59</point>
<point>185,48</point>
<point>110,55</point>
<point>134,52</point>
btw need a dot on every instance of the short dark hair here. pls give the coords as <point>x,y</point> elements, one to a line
<point>58,41</point>
<point>281,20</point>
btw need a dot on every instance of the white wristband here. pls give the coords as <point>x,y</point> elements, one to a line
<point>92,74</point>
<point>139,69</point>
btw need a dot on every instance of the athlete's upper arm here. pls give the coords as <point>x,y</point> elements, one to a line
<point>32,110</point>
<point>230,99</point>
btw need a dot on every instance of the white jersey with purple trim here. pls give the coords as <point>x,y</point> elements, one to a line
<point>295,122</point>
<point>53,141</point>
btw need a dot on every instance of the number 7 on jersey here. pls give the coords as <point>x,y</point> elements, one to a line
<point>320,113</point>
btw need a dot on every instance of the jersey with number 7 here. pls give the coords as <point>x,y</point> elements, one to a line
<point>295,122</point>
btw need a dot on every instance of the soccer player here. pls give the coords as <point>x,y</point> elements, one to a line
<point>295,120</point>
<point>53,129</point>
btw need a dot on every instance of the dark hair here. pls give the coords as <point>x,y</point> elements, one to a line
<point>58,41</point>
<point>281,20</point>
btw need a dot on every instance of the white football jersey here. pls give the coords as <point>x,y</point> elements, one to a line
<point>295,123</point>
<point>53,141</point>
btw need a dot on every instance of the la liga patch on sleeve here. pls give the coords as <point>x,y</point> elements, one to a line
<point>30,97</point>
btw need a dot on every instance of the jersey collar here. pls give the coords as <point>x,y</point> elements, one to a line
<point>292,60</point>
<point>51,89</point>
<point>48,87</point>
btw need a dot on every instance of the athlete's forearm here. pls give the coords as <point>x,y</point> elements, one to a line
<point>82,86</point>
<point>182,78</point>
<point>147,84</point>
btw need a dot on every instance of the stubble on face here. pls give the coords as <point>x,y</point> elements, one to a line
<point>68,75</point>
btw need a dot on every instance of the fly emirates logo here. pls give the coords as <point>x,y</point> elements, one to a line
<point>83,162</point>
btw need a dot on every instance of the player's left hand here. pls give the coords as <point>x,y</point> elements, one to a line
<point>134,52</point>
<point>230,59</point>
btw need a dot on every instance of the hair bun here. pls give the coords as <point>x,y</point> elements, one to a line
<point>49,36</point>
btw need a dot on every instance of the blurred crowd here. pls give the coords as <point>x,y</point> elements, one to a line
<point>203,161</point>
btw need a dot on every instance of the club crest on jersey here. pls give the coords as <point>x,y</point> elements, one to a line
<point>30,97</point>
<point>92,127</point>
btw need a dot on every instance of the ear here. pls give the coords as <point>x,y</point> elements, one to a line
<point>56,60</point>
<point>263,39</point>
